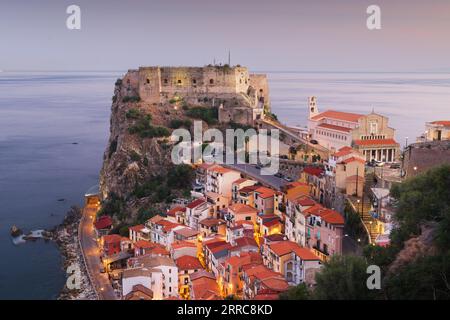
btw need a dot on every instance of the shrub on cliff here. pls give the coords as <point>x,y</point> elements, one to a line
<point>144,128</point>
<point>209,115</point>
<point>176,123</point>
<point>131,99</point>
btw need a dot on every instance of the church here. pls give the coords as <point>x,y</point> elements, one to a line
<point>369,134</point>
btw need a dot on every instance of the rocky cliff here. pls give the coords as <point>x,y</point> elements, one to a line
<point>137,168</point>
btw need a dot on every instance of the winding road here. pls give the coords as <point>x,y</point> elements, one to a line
<point>91,253</point>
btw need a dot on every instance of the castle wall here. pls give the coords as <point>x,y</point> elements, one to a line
<point>261,85</point>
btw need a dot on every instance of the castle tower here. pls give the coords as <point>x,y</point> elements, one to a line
<point>313,109</point>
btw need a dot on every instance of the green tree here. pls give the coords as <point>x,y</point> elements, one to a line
<point>343,278</point>
<point>299,292</point>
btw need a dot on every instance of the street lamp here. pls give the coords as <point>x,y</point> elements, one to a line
<point>358,201</point>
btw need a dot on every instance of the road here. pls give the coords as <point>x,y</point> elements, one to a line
<point>89,245</point>
<point>252,172</point>
<point>295,137</point>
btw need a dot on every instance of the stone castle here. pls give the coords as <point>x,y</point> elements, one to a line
<point>241,97</point>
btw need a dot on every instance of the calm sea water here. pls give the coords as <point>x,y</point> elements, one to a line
<point>43,114</point>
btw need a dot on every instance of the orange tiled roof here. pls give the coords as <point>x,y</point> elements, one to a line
<point>219,169</point>
<point>334,127</point>
<point>183,244</point>
<point>332,217</point>
<point>265,192</point>
<point>188,263</point>
<point>444,123</point>
<point>196,203</point>
<point>111,238</point>
<point>144,244</point>
<point>338,115</point>
<point>376,142</point>
<point>137,228</point>
<point>286,247</point>
<point>176,209</point>
<point>240,208</point>
<point>298,191</point>
<point>344,151</point>
<point>240,180</point>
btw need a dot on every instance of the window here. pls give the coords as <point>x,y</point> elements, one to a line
<point>373,126</point>
<point>211,81</point>
<point>165,81</point>
<point>194,81</point>
<point>179,81</point>
<point>148,80</point>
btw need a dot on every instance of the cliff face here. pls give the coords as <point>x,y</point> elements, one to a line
<point>137,168</point>
<point>130,159</point>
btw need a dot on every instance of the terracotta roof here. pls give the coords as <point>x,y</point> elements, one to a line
<point>137,228</point>
<point>196,203</point>
<point>155,219</point>
<point>167,225</point>
<point>187,232</point>
<point>240,180</point>
<point>176,209</point>
<point>240,208</point>
<point>315,209</point>
<point>245,241</point>
<point>271,223</point>
<point>183,244</point>
<point>143,244</point>
<point>220,169</point>
<point>332,217</point>
<point>268,278</point>
<point>265,192</point>
<point>344,151</point>
<point>201,274</point>
<point>353,159</point>
<point>103,222</point>
<point>338,115</point>
<point>211,222</point>
<point>444,123</point>
<point>306,202</point>
<point>334,127</point>
<point>286,247</point>
<point>376,142</point>
<point>248,189</point>
<point>313,171</point>
<point>297,192</point>
<point>139,288</point>
<point>188,263</point>
<point>204,286</point>
<point>112,238</point>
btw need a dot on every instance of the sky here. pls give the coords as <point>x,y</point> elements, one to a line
<point>282,35</point>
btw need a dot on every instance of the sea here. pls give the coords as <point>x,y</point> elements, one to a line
<point>54,127</point>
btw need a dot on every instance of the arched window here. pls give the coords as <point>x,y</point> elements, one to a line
<point>148,80</point>
<point>211,81</point>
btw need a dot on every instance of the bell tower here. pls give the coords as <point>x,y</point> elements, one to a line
<point>313,109</point>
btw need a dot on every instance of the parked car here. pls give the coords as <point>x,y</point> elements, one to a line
<point>314,141</point>
<point>288,179</point>
<point>258,167</point>
<point>279,175</point>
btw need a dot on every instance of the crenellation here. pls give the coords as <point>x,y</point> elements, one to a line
<point>241,96</point>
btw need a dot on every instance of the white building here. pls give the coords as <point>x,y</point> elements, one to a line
<point>219,180</point>
<point>150,278</point>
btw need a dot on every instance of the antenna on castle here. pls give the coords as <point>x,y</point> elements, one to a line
<point>229,58</point>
